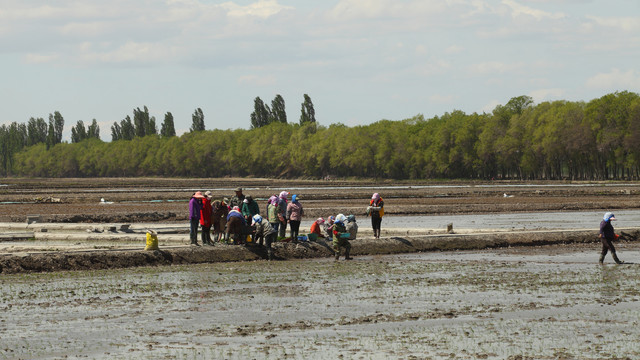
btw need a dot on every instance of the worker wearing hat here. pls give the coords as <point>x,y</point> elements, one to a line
<point>237,199</point>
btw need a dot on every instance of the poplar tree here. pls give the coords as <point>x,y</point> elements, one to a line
<point>307,113</point>
<point>168,129</point>
<point>197,121</point>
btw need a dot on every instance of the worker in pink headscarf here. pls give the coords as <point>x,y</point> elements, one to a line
<point>376,211</point>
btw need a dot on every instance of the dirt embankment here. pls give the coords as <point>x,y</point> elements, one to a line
<point>93,260</point>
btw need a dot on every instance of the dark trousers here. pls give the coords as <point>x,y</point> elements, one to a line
<point>376,222</point>
<point>606,247</point>
<point>193,231</point>
<point>295,228</point>
<point>282,228</point>
<point>206,234</point>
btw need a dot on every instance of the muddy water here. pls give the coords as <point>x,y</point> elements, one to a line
<point>549,302</point>
<point>507,221</point>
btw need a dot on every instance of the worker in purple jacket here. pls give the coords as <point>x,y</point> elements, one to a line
<point>195,205</point>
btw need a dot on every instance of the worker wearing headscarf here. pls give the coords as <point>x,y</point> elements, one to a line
<point>607,235</point>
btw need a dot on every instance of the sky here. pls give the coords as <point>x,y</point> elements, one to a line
<point>360,61</point>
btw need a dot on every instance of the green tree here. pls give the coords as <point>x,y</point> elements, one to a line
<point>307,112</point>
<point>278,113</point>
<point>168,129</point>
<point>143,123</point>
<point>78,132</point>
<point>127,129</point>
<point>93,131</point>
<point>197,121</point>
<point>36,131</point>
<point>116,131</point>
<point>261,114</point>
<point>56,126</point>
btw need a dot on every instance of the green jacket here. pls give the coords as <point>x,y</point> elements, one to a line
<point>250,209</point>
<point>338,229</point>
<point>272,213</point>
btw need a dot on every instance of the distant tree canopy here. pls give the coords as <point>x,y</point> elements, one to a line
<point>598,140</point>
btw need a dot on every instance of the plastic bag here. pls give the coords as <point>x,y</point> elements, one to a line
<point>152,240</point>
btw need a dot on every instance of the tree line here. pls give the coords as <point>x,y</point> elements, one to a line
<point>594,140</point>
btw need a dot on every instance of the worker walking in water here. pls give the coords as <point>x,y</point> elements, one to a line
<point>607,235</point>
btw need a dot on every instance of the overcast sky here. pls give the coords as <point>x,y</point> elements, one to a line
<point>360,61</point>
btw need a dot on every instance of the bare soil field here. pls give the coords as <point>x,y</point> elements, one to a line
<point>165,200</point>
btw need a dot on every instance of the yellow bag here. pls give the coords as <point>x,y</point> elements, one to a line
<point>152,240</point>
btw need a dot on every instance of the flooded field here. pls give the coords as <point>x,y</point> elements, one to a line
<point>551,302</point>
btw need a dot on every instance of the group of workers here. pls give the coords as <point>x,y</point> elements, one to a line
<point>236,218</point>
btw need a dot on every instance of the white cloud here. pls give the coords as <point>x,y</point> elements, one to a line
<point>522,10</point>
<point>454,49</point>
<point>627,23</point>
<point>130,52</point>
<point>262,9</point>
<point>349,10</point>
<point>615,80</point>
<point>40,58</point>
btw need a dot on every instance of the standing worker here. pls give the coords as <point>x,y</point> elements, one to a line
<point>376,211</point>
<point>195,205</point>
<point>272,213</point>
<point>237,199</point>
<point>205,219</point>
<point>282,213</point>
<point>294,215</point>
<point>249,208</point>
<point>607,235</point>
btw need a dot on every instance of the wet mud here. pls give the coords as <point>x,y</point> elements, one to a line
<point>414,294</point>
<point>540,302</point>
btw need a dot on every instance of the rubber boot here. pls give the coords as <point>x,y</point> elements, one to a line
<point>337,255</point>
<point>269,254</point>
<point>601,261</point>
<point>346,255</point>
<point>615,258</point>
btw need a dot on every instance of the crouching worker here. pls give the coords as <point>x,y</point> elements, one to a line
<point>340,238</point>
<point>607,235</point>
<point>316,230</point>
<point>264,231</point>
<point>352,227</point>
<point>235,225</point>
